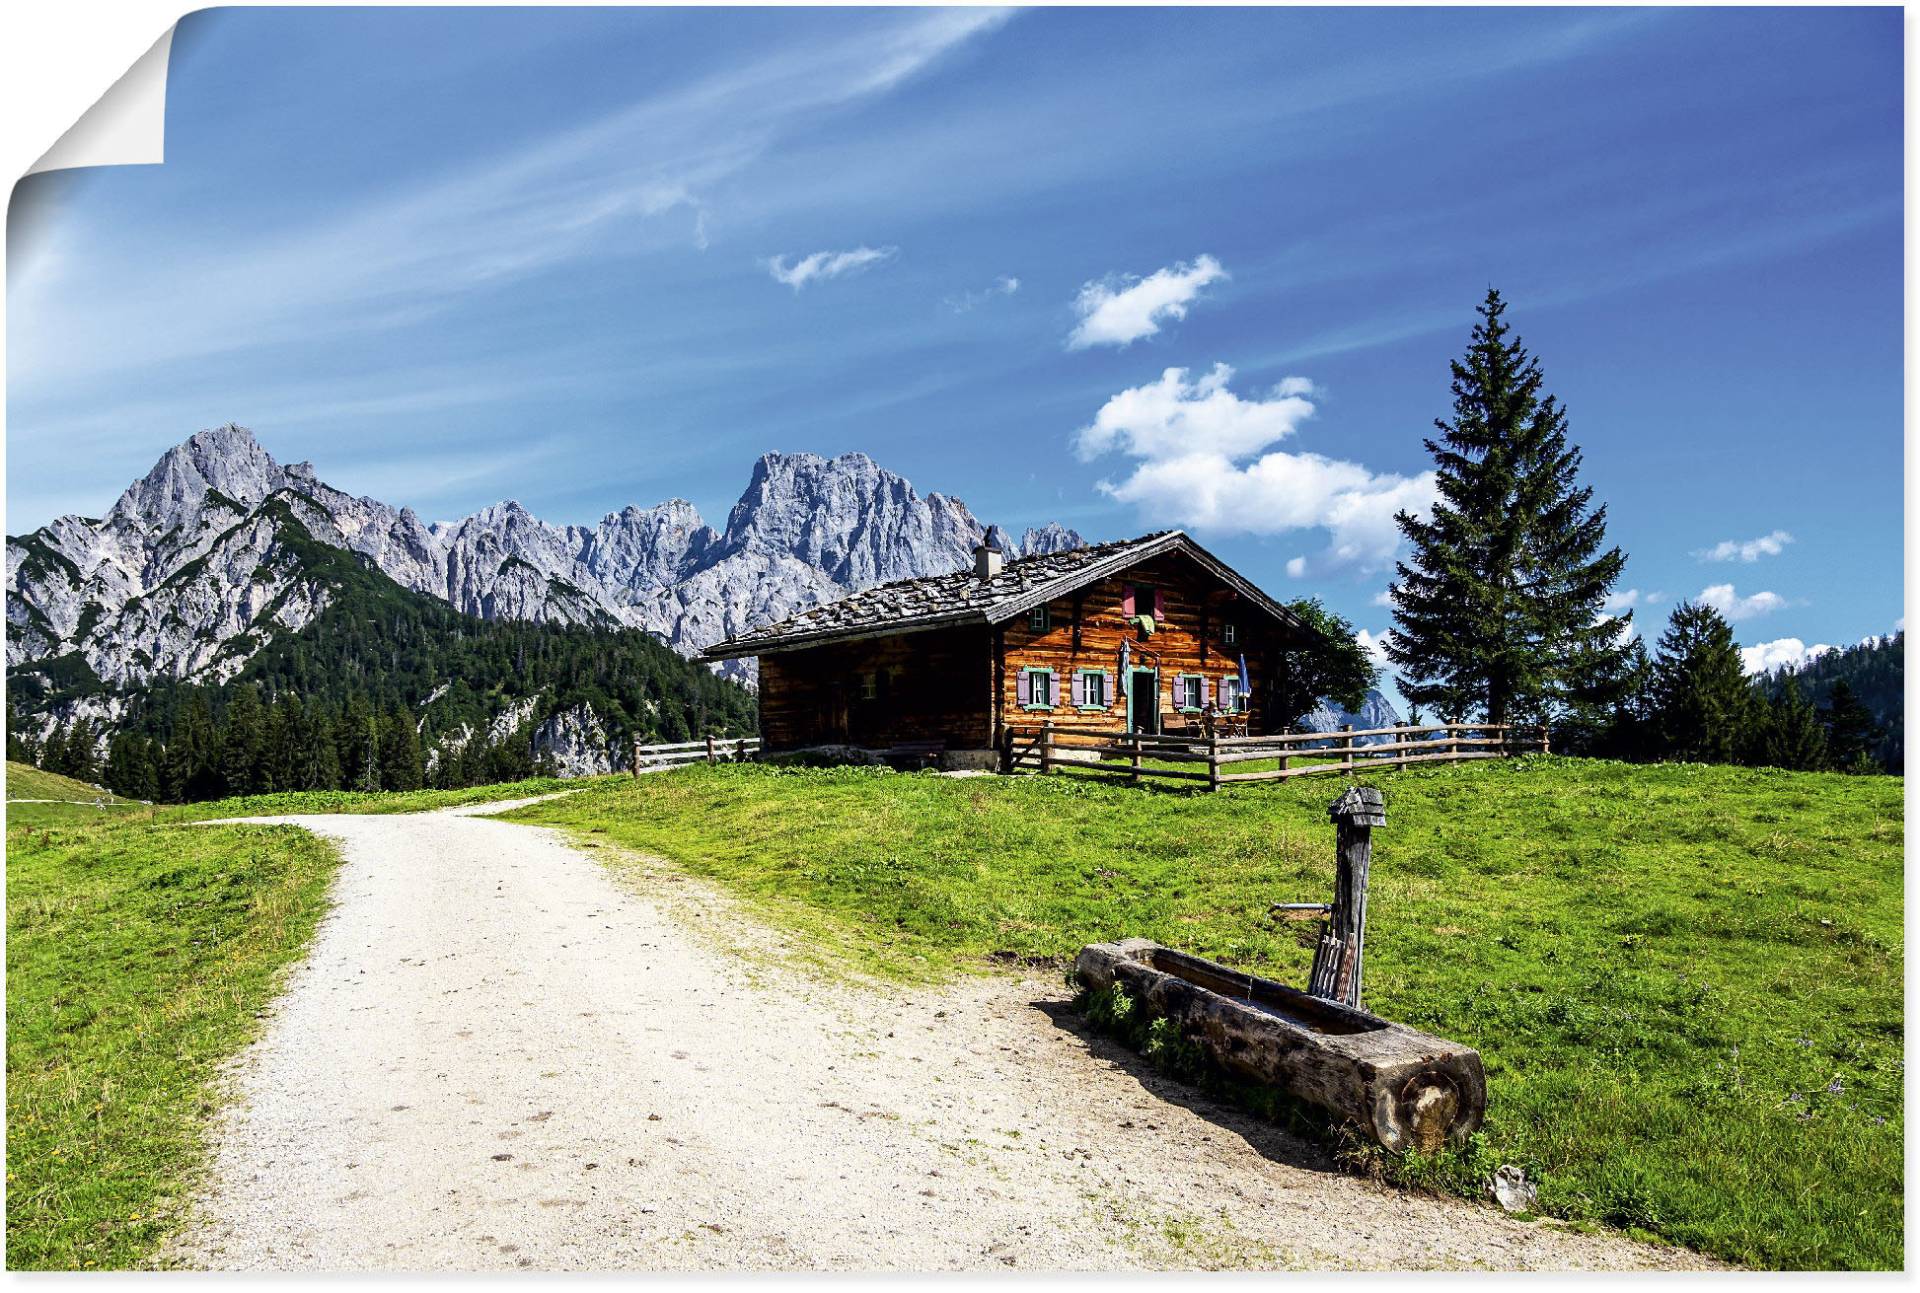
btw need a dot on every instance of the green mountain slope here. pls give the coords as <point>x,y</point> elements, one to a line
<point>383,647</point>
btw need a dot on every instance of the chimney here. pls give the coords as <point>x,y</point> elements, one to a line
<point>989,555</point>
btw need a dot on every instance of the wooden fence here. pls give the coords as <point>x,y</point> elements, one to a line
<point>1133,755</point>
<point>711,749</point>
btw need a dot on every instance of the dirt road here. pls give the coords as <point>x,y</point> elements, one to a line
<point>499,1055</point>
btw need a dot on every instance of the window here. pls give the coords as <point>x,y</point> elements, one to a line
<point>1231,697</point>
<point>1037,619</point>
<point>1036,688</point>
<point>1193,692</point>
<point>1093,689</point>
<point>1230,634</point>
<point>869,686</point>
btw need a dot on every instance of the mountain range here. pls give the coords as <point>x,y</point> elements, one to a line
<point>211,556</point>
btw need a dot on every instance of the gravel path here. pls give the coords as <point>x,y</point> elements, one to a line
<point>500,1055</point>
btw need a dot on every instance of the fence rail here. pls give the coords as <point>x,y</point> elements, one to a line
<point>1068,747</point>
<point>710,749</point>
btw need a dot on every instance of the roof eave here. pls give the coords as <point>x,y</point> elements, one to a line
<point>738,648</point>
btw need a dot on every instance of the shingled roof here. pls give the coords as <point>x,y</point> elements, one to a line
<point>944,601</point>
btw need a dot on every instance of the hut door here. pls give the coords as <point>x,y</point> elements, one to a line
<point>1143,701</point>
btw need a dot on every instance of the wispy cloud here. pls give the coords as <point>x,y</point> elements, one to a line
<point>1735,607</point>
<point>1764,657</point>
<point>1005,285</point>
<point>1121,309</point>
<point>1201,466</point>
<point>823,265</point>
<point>1749,550</point>
<point>399,257</point>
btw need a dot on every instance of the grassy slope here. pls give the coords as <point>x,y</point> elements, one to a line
<point>138,956</point>
<point>1685,981</point>
<point>24,781</point>
<point>354,801</point>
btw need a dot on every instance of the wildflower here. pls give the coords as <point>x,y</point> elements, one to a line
<point>1835,1087</point>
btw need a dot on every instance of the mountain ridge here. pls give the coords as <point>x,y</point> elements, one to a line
<point>189,573</point>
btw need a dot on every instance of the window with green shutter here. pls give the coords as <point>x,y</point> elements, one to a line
<point>1036,689</point>
<point>1192,693</point>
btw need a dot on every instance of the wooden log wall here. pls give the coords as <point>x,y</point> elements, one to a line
<point>1084,631</point>
<point>926,687</point>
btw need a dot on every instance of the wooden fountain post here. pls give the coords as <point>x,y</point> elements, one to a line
<point>1338,961</point>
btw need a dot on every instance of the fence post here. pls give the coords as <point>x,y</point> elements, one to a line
<point>1006,749</point>
<point>713,755</point>
<point>1046,747</point>
<point>1346,745</point>
<point>636,756</point>
<point>1136,758</point>
<point>1544,746</point>
<point>1213,755</point>
<point>1284,757</point>
<point>1452,750</point>
<point>740,751</point>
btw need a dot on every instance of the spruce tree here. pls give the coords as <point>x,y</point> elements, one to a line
<point>1851,732</point>
<point>1792,736</point>
<point>1704,708</point>
<point>1498,608</point>
<point>401,766</point>
<point>242,743</point>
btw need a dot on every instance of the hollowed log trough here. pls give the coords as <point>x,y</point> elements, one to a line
<point>1405,1088</point>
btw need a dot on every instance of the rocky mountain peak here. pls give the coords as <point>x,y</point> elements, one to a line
<point>807,529</point>
<point>226,460</point>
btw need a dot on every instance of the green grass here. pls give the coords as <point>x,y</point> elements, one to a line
<point>24,781</point>
<point>138,957</point>
<point>296,802</point>
<point>1685,982</point>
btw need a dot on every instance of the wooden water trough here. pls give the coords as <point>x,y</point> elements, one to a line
<point>1406,1089</point>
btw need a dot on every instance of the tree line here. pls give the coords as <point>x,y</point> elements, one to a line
<point>248,746</point>
<point>1501,606</point>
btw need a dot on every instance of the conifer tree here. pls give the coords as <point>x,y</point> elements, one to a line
<point>1704,706</point>
<point>1791,736</point>
<point>243,741</point>
<point>401,766</point>
<point>1851,731</point>
<point>1498,608</point>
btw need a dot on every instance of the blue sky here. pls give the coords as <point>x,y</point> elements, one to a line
<point>1121,269</point>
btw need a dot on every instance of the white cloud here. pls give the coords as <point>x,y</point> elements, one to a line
<point>1376,649</point>
<point>1005,285</point>
<point>1767,545</point>
<point>1628,599</point>
<point>1735,607</point>
<point>1192,438</point>
<point>1118,310</point>
<point>1384,598</point>
<point>823,265</point>
<point>1763,657</point>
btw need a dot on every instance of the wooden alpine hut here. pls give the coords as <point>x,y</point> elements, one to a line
<point>1151,634</point>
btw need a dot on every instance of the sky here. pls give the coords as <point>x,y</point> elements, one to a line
<point>1122,269</point>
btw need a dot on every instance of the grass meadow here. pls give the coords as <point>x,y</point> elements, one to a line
<point>1685,981</point>
<point>139,956</point>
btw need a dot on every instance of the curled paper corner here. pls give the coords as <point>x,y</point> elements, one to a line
<point>126,126</point>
